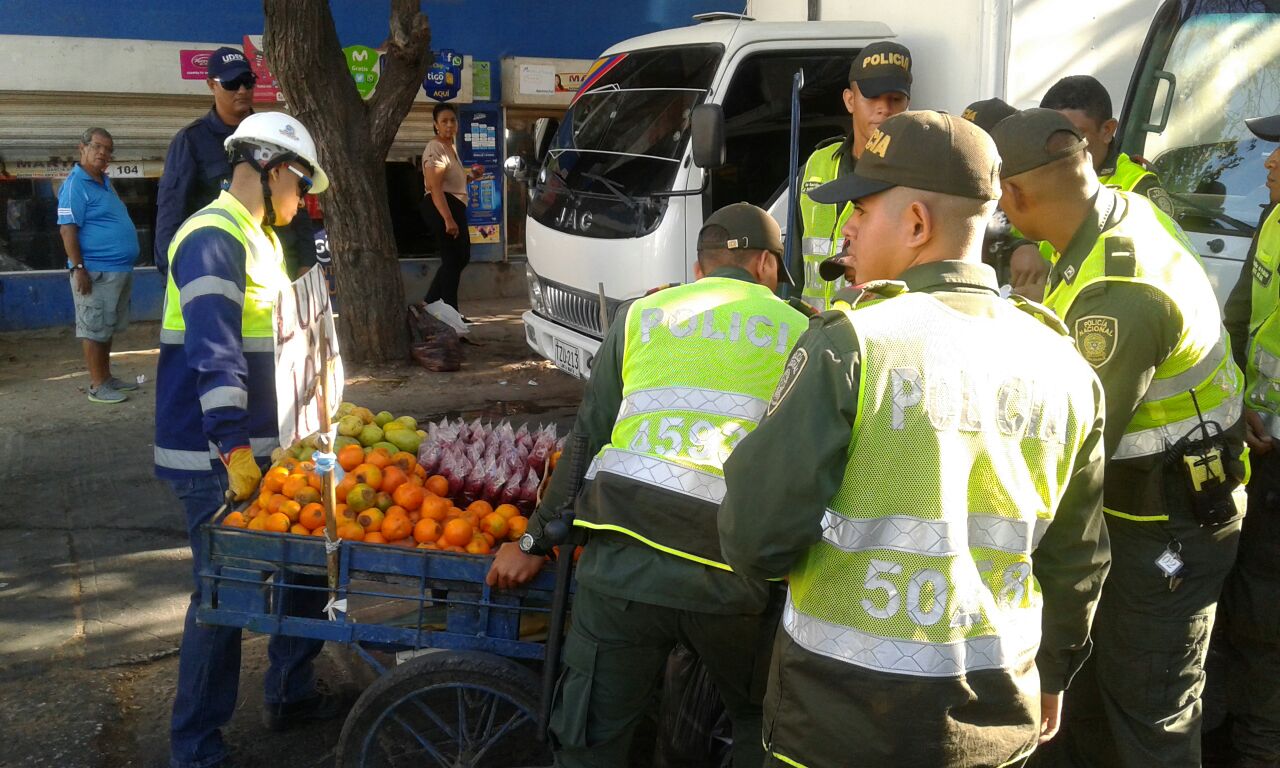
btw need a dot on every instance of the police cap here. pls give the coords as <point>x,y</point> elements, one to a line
<point>1023,140</point>
<point>748,227</point>
<point>882,68</point>
<point>986,113</point>
<point>1265,128</point>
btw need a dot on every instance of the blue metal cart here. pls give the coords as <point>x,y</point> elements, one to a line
<point>466,690</point>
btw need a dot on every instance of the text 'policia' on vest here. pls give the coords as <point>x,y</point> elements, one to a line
<point>699,364</point>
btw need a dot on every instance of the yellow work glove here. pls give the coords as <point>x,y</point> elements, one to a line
<point>243,474</point>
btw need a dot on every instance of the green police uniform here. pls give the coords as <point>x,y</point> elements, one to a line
<point>821,223</point>
<point>678,380</point>
<point>951,489</point>
<point>1251,600</point>
<point>1133,294</point>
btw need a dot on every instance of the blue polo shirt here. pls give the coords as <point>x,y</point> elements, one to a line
<point>108,240</point>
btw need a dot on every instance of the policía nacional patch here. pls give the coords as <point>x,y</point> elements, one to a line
<point>1096,338</point>
<point>795,364</point>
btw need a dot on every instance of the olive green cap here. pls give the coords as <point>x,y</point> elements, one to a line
<point>1022,139</point>
<point>749,227</point>
<point>1265,128</point>
<point>986,113</point>
<point>925,150</point>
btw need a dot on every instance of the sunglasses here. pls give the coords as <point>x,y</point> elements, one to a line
<point>304,181</point>
<point>247,80</point>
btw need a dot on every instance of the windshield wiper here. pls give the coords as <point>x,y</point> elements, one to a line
<point>1213,213</point>
<point>613,187</point>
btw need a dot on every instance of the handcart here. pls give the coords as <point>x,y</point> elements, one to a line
<point>465,690</point>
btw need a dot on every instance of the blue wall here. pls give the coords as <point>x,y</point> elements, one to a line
<point>486,29</point>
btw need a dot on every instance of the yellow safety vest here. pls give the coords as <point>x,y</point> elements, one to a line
<point>1126,175</point>
<point>822,223</point>
<point>699,365</point>
<point>1146,247</point>
<point>959,456</point>
<point>1263,364</point>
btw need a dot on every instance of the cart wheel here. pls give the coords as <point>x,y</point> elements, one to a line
<point>452,709</point>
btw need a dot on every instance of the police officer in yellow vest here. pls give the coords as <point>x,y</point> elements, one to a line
<point>945,544</point>
<point>1251,600</point>
<point>681,377</point>
<point>216,414</point>
<point>879,87</point>
<point>1131,290</point>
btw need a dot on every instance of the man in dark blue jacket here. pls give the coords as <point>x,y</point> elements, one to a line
<point>196,167</point>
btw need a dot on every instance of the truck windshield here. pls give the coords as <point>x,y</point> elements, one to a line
<point>623,139</point>
<point>1211,64</point>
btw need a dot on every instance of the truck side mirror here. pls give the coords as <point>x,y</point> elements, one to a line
<point>544,130</point>
<point>516,168</point>
<point>707,131</point>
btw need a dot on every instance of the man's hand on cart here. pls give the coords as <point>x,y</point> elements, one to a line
<point>513,568</point>
<point>243,472</point>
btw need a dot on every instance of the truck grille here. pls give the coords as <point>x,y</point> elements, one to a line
<point>576,309</point>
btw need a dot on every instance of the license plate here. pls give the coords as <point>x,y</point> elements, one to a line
<point>568,358</point>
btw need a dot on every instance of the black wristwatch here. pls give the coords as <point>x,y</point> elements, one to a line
<point>528,545</point>
<point>74,267</point>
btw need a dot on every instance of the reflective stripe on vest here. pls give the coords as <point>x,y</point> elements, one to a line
<point>699,365</point>
<point>821,226</point>
<point>973,448</point>
<point>1200,362</point>
<point>1263,362</point>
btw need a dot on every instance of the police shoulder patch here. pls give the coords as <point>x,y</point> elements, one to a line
<point>1160,199</point>
<point>1096,338</point>
<point>795,364</point>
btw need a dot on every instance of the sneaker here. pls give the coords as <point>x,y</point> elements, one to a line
<point>121,385</point>
<point>322,706</point>
<point>105,393</point>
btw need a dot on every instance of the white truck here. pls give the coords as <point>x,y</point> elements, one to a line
<point>616,199</point>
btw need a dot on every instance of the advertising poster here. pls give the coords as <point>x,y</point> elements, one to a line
<point>195,64</point>
<point>444,78</point>
<point>478,131</point>
<point>363,63</point>
<point>481,87</point>
<point>266,89</point>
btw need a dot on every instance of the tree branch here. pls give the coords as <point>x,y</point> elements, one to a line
<point>408,56</point>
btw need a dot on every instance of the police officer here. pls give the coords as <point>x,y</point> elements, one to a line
<point>1136,299</point>
<point>1251,600</point>
<point>216,413</point>
<point>879,87</point>
<point>952,488</point>
<point>680,378</point>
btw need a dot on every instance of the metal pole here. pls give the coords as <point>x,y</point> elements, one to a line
<point>793,189</point>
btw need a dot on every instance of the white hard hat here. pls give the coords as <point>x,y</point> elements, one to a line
<point>284,134</point>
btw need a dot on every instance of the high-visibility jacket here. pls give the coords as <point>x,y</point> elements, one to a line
<point>1146,247</point>
<point>1126,175</point>
<point>959,456</point>
<point>821,224</point>
<point>215,387</point>
<point>1263,364</point>
<point>699,365</point>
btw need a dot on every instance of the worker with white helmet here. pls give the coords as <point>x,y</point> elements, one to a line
<point>216,411</point>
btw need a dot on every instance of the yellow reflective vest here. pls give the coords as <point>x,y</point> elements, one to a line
<point>821,225</point>
<point>1263,363</point>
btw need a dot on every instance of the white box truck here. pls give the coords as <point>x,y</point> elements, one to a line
<point>616,201</point>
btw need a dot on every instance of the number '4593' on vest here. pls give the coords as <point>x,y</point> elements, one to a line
<point>699,364</point>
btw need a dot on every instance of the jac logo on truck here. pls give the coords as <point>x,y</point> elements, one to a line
<point>573,220</point>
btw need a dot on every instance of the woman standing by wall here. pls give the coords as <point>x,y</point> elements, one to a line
<point>445,205</point>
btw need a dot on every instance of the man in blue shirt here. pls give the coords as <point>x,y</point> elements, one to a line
<point>101,245</point>
<point>196,166</point>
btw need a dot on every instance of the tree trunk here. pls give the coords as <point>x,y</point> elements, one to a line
<point>353,138</point>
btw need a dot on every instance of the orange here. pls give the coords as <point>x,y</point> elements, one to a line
<point>276,500</point>
<point>434,507</point>
<point>274,479</point>
<point>318,532</point>
<point>495,524</point>
<point>348,482</point>
<point>480,507</point>
<point>361,497</point>
<point>263,497</point>
<point>457,532</point>
<point>315,481</point>
<point>472,518</point>
<point>414,516</point>
<point>350,457</point>
<point>396,526</point>
<point>374,538</point>
<point>478,547</point>
<point>235,520</point>
<point>258,523</point>
<point>343,512</point>
<point>312,516</point>
<point>294,483</point>
<point>438,485</point>
<point>507,510</point>
<point>405,461</point>
<point>290,509</point>
<point>369,474</point>
<point>420,471</point>
<point>378,457</point>
<point>277,522</point>
<point>307,496</point>
<point>392,478</point>
<point>408,496</point>
<point>516,527</point>
<point>351,531</point>
<point>418,481</point>
<point>488,539</point>
<point>288,463</point>
<point>370,519</point>
<point>300,530</point>
<point>383,501</point>
<point>426,531</point>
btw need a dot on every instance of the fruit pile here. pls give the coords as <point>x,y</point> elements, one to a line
<point>499,464</point>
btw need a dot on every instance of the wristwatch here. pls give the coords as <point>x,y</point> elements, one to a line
<point>74,267</point>
<point>528,545</point>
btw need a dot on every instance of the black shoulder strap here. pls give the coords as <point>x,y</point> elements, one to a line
<point>1120,258</point>
<point>872,291</point>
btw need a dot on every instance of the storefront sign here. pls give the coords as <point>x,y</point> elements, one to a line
<point>444,78</point>
<point>481,88</point>
<point>569,82</point>
<point>363,63</point>
<point>537,79</point>
<point>60,168</point>
<point>478,150</point>
<point>266,89</point>
<point>195,64</point>
<point>303,315</point>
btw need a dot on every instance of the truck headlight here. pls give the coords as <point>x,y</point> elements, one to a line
<point>536,300</point>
